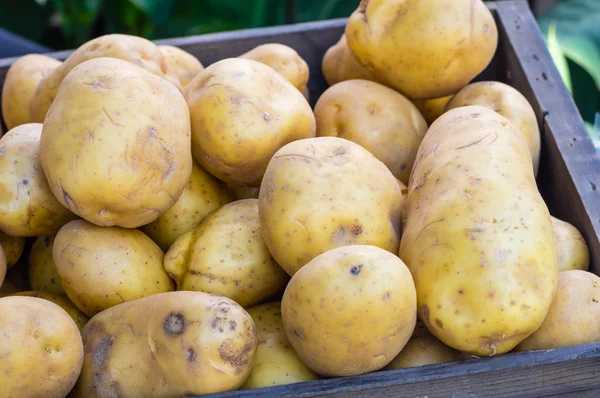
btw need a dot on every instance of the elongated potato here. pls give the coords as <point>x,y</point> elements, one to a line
<point>478,237</point>
<point>79,317</point>
<point>339,64</point>
<point>13,248</point>
<point>42,270</point>
<point>285,60</point>
<point>183,64</point>
<point>573,252</point>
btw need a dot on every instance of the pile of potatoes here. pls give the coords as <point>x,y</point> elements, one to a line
<point>175,230</point>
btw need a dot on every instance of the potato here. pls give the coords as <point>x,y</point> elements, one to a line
<point>125,157</point>
<point>285,60</point>
<point>573,252</point>
<point>339,64</point>
<point>100,267</point>
<point>131,49</point>
<point>508,102</point>
<point>79,317</point>
<point>202,194</point>
<point>574,316</point>
<point>3,266</point>
<point>350,310</point>
<point>28,206</point>
<point>478,237</point>
<point>323,193</point>
<point>13,248</point>
<point>20,84</point>
<point>226,255</point>
<point>242,191</point>
<point>242,112</point>
<point>183,64</point>
<point>41,349</point>
<point>375,117</point>
<point>423,49</point>
<point>167,345</point>
<point>42,271</point>
<point>276,363</point>
<point>431,109</point>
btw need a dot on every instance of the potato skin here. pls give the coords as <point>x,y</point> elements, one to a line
<point>444,44</point>
<point>478,237</point>
<point>431,109</point>
<point>167,345</point>
<point>573,252</point>
<point>42,271</point>
<point>78,317</point>
<point>377,118</point>
<point>19,87</point>
<point>339,64</point>
<point>327,192</point>
<point>285,60</point>
<point>242,112</point>
<point>226,255</point>
<point>41,349</point>
<point>100,267</point>
<point>129,133</point>
<point>275,363</point>
<point>183,64</point>
<point>13,248</point>
<point>574,316</point>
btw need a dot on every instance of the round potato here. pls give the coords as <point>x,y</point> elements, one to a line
<point>100,267</point>
<point>508,102</point>
<point>125,156</point>
<point>431,109</point>
<point>28,206</point>
<point>167,345</point>
<point>13,248</point>
<point>574,316</point>
<point>573,252</point>
<point>202,194</point>
<point>42,271</point>
<point>226,255</point>
<point>276,363</point>
<point>79,317</point>
<point>323,193</point>
<point>3,266</point>
<point>41,349</point>
<point>375,117</point>
<point>443,46</point>
<point>242,112</point>
<point>183,64</point>
<point>350,310</point>
<point>20,84</point>
<point>339,64</point>
<point>285,60</point>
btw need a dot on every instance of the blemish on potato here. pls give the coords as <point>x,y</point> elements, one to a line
<point>355,269</point>
<point>232,325</point>
<point>190,355</point>
<point>356,230</point>
<point>239,359</point>
<point>174,324</point>
<point>439,323</point>
<point>386,297</point>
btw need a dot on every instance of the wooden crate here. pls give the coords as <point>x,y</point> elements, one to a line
<point>569,180</point>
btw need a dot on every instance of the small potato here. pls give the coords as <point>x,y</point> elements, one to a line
<point>183,64</point>
<point>242,112</point>
<point>378,118</point>
<point>79,317</point>
<point>242,191</point>
<point>574,316</point>
<point>28,206</point>
<point>276,363</point>
<point>285,60</point>
<point>226,255</point>
<point>41,349</point>
<point>202,194</point>
<point>431,109</point>
<point>167,345</point>
<point>42,271</point>
<point>20,84</point>
<point>339,64</point>
<point>13,248</point>
<point>100,267</point>
<point>573,252</point>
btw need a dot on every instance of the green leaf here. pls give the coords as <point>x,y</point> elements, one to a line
<point>158,11</point>
<point>583,51</point>
<point>578,17</point>
<point>558,56</point>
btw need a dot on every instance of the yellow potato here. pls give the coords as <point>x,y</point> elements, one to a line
<point>28,206</point>
<point>431,109</point>
<point>42,271</point>
<point>125,156</point>
<point>377,118</point>
<point>79,317</point>
<point>20,84</point>
<point>131,49</point>
<point>323,193</point>
<point>573,252</point>
<point>13,248</point>
<point>508,102</point>
<point>41,349</point>
<point>3,266</point>
<point>202,194</point>
<point>423,48</point>
<point>183,64</point>
<point>100,267</point>
<point>168,345</point>
<point>226,255</point>
<point>285,60</point>
<point>242,112</point>
<point>478,237</point>
<point>242,191</point>
<point>350,310</point>
<point>339,64</point>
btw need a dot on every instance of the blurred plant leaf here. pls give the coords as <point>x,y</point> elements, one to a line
<point>584,52</point>
<point>158,11</point>
<point>579,17</point>
<point>558,56</point>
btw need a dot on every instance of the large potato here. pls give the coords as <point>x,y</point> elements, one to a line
<point>226,255</point>
<point>431,109</point>
<point>242,112</point>
<point>350,310</point>
<point>276,363</point>
<point>100,267</point>
<point>323,193</point>
<point>573,252</point>
<point>183,64</point>
<point>168,345</point>
<point>20,84</point>
<point>116,144</point>
<point>574,316</point>
<point>42,271</point>
<point>377,118</point>
<point>132,49</point>
<point>478,237</point>
<point>28,206</point>
<point>508,102</point>
<point>40,348</point>
<point>285,60</point>
<point>79,317</point>
<point>339,64</point>
<point>423,48</point>
<point>13,248</point>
